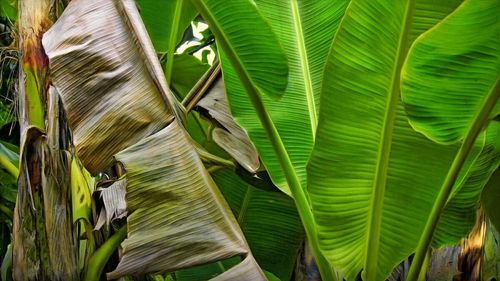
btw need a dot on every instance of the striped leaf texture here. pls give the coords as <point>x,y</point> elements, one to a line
<point>305,29</point>
<point>372,179</point>
<point>458,217</point>
<point>114,92</point>
<point>178,213</point>
<point>452,70</point>
<point>111,83</point>
<point>247,38</point>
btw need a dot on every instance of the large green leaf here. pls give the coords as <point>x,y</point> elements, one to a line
<point>451,70</point>
<point>101,61</point>
<point>179,218</point>
<point>166,21</point>
<point>305,29</point>
<point>249,42</point>
<point>370,173</point>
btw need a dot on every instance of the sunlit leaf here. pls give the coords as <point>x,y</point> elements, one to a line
<point>370,172</point>
<point>452,69</point>
<point>305,30</point>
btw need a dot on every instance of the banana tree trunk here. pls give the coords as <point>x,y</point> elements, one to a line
<point>44,244</point>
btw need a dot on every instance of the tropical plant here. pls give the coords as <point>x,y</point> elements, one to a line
<point>369,127</point>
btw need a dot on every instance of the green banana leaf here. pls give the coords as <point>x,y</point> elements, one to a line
<point>305,29</point>
<point>372,179</point>
<point>269,221</point>
<point>8,9</point>
<point>452,70</point>
<point>250,44</point>
<point>458,216</point>
<point>166,21</point>
<point>187,70</point>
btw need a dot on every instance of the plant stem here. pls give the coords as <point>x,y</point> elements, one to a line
<point>172,42</point>
<point>423,271</point>
<point>479,122</point>
<point>202,86</point>
<point>293,181</point>
<point>101,256</point>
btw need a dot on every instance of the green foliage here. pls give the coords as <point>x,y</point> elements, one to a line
<point>305,30</point>
<point>360,110</point>
<point>8,9</point>
<point>166,19</point>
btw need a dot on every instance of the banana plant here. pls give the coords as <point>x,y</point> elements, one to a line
<point>471,68</point>
<point>177,216</point>
<point>358,180</point>
<point>369,171</point>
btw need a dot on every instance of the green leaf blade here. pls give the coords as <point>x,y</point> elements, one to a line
<point>159,16</point>
<point>269,221</point>
<point>306,47</point>
<point>361,169</point>
<point>450,69</point>
<point>261,64</point>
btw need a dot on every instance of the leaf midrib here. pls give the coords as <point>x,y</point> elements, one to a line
<point>379,184</point>
<point>304,66</point>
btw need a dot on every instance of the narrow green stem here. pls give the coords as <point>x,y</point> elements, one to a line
<point>293,181</point>
<point>101,256</point>
<point>423,271</point>
<point>172,42</point>
<point>11,168</point>
<point>202,86</point>
<point>479,122</point>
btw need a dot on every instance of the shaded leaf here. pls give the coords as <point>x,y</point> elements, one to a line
<point>269,221</point>
<point>459,216</point>
<point>490,198</point>
<point>187,70</point>
<point>159,17</point>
